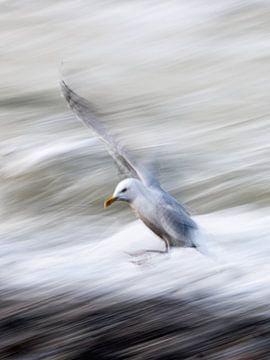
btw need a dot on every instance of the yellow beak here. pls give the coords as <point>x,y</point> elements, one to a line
<point>109,201</point>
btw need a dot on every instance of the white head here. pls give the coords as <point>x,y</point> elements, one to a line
<point>127,190</point>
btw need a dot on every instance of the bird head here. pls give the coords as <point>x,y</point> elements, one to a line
<point>126,190</point>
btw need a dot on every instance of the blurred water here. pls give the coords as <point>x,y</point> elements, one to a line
<point>185,82</point>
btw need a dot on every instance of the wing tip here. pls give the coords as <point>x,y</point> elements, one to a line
<point>71,97</point>
<point>66,91</point>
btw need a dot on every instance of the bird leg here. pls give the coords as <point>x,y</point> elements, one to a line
<point>143,252</point>
<point>165,251</point>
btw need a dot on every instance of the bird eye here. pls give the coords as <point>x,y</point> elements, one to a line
<point>124,190</point>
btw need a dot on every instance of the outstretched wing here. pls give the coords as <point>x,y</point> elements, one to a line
<point>126,163</point>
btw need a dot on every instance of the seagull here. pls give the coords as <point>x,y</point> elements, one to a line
<point>157,209</point>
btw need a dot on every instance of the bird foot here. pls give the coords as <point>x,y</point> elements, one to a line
<point>142,257</point>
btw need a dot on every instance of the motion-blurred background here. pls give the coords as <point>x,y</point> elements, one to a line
<point>186,83</point>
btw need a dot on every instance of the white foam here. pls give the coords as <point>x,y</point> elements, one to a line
<point>106,265</point>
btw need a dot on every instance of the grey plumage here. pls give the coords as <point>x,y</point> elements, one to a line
<point>162,213</point>
<point>124,160</point>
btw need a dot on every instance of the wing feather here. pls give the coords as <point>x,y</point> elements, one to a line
<point>124,160</point>
<point>178,225</point>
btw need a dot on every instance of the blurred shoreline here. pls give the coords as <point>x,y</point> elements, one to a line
<point>94,327</point>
